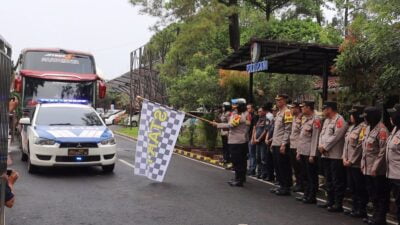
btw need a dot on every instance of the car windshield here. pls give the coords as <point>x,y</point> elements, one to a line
<point>54,61</point>
<point>55,116</point>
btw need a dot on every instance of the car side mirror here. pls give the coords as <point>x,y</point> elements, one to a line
<point>25,121</point>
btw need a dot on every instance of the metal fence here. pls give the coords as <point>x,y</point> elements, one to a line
<point>5,79</point>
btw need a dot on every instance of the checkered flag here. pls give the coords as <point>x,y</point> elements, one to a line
<point>158,131</point>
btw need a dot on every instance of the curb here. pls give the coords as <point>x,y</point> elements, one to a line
<point>183,152</point>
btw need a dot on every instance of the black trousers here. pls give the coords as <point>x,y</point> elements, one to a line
<point>275,156</point>
<point>296,165</point>
<point>270,163</point>
<point>284,167</point>
<point>239,160</point>
<point>357,186</point>
<point>225,148</point>
<point>379,192</point>
<point>395,183</point>
<point>335,180</point>
<point>309,176</point>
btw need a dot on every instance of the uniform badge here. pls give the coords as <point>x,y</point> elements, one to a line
<point>288,117</point>
<point>339,123</point>
<point>317,123</point>
<point>383,135</point>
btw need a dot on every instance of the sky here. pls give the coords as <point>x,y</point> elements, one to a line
<point>109,29</point>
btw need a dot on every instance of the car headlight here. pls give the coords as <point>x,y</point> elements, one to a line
<point>110,141</point>
<point>44,141</point>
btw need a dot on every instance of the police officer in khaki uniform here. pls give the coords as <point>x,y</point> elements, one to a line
<point>373,164</point>
<point>307,150</point>
<point>280,144</point>
<point>238,141</point>
<point>393,156</point>
<point>224,118</point>
<point>352,154</point>
<point>331,144</point>
<point>294,137</point>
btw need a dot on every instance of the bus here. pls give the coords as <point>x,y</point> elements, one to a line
<point>56,74</point>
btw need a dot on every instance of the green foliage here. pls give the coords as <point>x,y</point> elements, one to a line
<point>196,88</point>
<point>369,63</point>
<point>209,132</point>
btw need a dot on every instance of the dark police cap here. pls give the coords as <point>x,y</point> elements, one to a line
<point>328,104</point>
<point>308,103</point>
<point>357,109</point>
<point>295,104</point>
<point>395,110</point>
<point>282,96</point>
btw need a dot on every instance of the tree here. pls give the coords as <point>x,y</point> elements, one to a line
<point>369,63</point>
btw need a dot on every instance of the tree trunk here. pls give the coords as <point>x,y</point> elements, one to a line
<point>346,17</point>
<point>234,30</point>
<point>267,10</point>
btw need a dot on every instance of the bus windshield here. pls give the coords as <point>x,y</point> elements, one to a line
<point>54,61</point>
<point>38,88</point>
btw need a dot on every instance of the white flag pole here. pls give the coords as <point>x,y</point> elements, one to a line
<point>189,114</point>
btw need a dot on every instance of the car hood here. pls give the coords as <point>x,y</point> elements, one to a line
<point>74,133</point>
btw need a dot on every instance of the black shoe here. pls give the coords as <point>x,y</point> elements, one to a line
<point>310,201</point>
<point>282,192</point>
<point>372,222</point>
<point>236,184</point>
<point>300,198</point>
<point>366,220</point>
<point>324,205</point>
<point>335,208</point>
<point>270,179</point>
<point>273,190</point>
<point>349,212</point>
<point>251,173</point>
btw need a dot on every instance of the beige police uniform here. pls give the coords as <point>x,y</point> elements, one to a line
<point>282,127</point>
<point>393,155</point>
<point>307,143</point>
<point>332,137</point>
<point>353,144</point>
<point>374,150</point>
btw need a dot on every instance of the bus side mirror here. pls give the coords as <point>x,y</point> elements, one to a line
<point>18,84</point>
<point>102,89</point>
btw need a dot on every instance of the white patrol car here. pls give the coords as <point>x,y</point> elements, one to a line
<point>66,133</point>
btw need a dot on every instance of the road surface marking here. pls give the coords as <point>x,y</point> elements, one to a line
<point>126,163</point>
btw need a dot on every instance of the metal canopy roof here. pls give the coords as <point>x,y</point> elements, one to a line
<point>285,57</point>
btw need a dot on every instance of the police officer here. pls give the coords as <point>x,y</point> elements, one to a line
<point>331,144</point>
<point>307,150</point>
<point>393,156</point>
<point>238,141</point>
<point>280,144</point>
<point>352,154</point>
<point>224,118</point>
<point>294,136</point>
<point>373,164</point>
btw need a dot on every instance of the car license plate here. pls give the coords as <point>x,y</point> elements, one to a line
<point>78,152</point>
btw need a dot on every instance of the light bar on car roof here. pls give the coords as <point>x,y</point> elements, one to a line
<point>71,101</point>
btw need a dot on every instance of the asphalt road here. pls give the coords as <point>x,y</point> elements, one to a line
<point>193,193</point>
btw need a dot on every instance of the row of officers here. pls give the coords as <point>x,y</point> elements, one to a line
<point>360,153</point>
